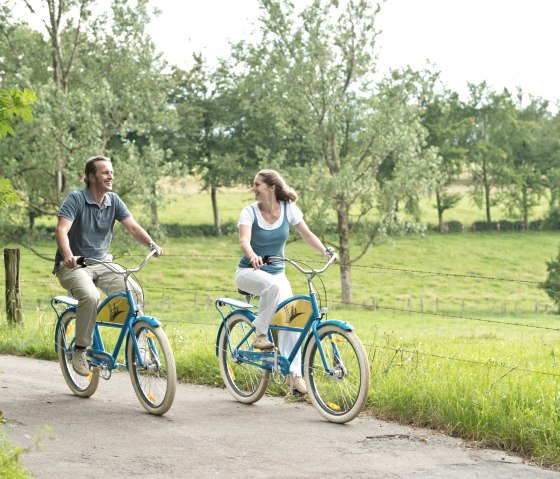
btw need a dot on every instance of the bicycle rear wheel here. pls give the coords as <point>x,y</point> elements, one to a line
<point>339,392</point>
<point>246,382</point>
<point>82,386</point>
<point>155,383</point>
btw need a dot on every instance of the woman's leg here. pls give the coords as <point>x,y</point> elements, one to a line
<point>271,289</point>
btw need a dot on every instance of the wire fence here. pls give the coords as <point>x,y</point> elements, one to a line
<point>202,300</point>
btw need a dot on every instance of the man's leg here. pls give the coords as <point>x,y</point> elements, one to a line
<point>79,283</point>
<point>110,282</point>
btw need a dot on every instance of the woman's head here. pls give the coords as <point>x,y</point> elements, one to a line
<point>282,191</point>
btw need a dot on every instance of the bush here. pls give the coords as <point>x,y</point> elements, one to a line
<point>454,226</point>
<point>551,285</point>
<point>506,225</point>
<point>552,221</point>
<point>485,226</point>
<point>174,230</point>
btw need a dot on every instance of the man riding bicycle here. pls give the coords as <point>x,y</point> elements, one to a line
<point>85,228</point>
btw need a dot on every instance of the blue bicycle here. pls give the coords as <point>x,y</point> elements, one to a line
<point>335,363</point>
<point>149,357</point>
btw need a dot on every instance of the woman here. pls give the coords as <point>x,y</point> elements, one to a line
<point>263,230</point>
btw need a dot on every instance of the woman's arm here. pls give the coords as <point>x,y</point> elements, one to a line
<point>245,244</point>
<point>310,238</point>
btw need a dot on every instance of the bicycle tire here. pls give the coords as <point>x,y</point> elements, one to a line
<point>341,396</point>
<point>156,384</point>
<point>82,386</point>
<point>247,383</point>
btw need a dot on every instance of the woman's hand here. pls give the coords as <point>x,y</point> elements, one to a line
<point>256,262</point>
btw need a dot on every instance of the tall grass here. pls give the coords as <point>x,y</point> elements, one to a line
<point>459,336</point>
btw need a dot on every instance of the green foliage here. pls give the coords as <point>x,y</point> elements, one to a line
<point>552,283</point>
<point>10,459</point>
<point>15,103</point>
<point>7,194</point>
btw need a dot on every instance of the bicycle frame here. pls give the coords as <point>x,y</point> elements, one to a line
<point>301,310</point>
<point>109,314</point>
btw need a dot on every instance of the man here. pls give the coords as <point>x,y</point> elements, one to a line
<point>85,228</point>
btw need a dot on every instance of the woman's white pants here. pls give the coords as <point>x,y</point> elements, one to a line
<point>271,289</point>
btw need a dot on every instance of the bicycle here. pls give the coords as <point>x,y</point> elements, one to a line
<point>148,355</point>
<point>335,363</point>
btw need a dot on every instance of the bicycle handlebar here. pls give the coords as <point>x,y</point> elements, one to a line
<point>267,259</point>
<point>84,262</point>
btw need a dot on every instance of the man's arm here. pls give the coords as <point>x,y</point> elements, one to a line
<point>61,235</point>
<point>140,234</point>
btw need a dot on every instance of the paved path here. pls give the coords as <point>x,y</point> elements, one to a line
<point>208,434</point>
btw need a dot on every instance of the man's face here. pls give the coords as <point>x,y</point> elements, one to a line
<point>102,180</point>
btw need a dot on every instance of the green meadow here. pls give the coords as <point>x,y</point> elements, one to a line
<point>459,336</point>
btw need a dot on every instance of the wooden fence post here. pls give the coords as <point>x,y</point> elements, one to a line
<point>14,309</point>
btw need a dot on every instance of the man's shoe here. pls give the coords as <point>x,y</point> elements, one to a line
<point>144,348</point>
<point>79,362</point>
<point>261,342</point>
<point>297,383</point>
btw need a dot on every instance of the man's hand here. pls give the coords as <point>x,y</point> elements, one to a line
<point>154,247</point>
<point>71,262</point>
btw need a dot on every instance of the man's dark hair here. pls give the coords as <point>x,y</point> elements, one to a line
<point>91,167</point>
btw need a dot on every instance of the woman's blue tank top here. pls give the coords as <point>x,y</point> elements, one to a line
<point>268,242</point>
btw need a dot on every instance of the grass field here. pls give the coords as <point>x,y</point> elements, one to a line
<point>459,336</point>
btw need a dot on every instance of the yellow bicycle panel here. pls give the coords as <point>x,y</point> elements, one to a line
<point>114,311</point>
<point>295,313</point>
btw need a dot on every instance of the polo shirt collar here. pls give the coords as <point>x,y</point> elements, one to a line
<point>106,201</point>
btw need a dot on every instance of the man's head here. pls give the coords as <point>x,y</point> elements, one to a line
<point>99,172</point>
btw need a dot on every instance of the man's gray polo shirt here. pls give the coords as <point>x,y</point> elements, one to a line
<point>92,225</point>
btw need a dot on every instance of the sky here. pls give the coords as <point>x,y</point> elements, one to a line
<point>507,43</point>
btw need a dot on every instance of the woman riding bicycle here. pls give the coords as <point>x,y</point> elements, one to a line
<point>263,230</point>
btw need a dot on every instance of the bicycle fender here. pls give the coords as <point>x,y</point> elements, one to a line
<point>245,312</point>
<point>57,329</point>
<point>149,319</point>
<point>336,322</point>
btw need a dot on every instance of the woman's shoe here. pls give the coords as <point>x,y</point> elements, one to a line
<point>261,342</point>
<point>297,383</point>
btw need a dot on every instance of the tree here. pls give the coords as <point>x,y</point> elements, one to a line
<point>522,178</point>
<point>488,143</point>
<point>362,139</point>
<point>106,93</point>
<point>207,107</point>
<point>445,120</point>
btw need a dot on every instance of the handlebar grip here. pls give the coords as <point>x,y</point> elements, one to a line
<point>81,261</point>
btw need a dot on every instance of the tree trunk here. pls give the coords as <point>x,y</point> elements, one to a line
<point>343,237</point>
<point>217,223</point>
<point>153,206</point>
<point>486,186</point>
<point>439,211</point>
<point>525,209</point>
<point>14,309</point>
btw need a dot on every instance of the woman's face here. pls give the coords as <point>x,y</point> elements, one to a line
<point>262,191</point>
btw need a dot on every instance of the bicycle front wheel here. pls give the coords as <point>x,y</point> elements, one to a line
<point>154,383</point>
<point>246,382</point>
<point>340,390</point>
<point>82,386</point>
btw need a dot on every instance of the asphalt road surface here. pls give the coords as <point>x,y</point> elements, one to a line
<point>207,434</point>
